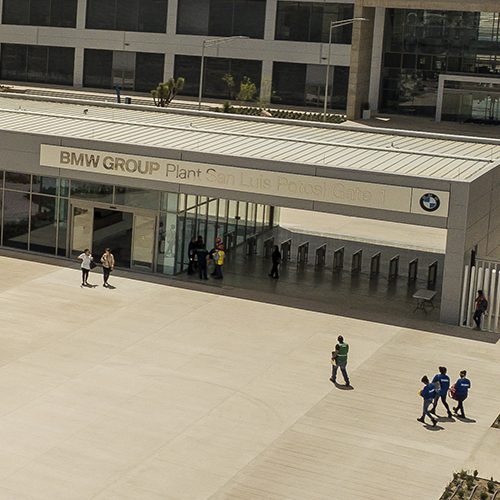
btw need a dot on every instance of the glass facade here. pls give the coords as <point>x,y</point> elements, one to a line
<point>304,84</point>
<point>310,21</point>
<point>127,15</point>
<point>147,229</point>
<point>216,68</point>
<point>421,44</point>
<point>55,13</point>
<point>37,63</point>
<point>140,71</point>
<point>221,17</point>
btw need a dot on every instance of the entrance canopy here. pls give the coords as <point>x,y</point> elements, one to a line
<point>382,174</point>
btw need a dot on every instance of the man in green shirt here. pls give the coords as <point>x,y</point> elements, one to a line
<point>339,360</point>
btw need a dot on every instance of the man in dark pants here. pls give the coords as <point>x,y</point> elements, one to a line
<point>276,257</point>
<point>441,383</point>
<point>427,393</point>
<point>202,254</point>
<point>339,360</point>
<point>481,307</point>
<point>191,255</point>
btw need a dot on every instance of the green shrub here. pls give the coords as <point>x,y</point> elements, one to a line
<point>470,483</point>
<point>463,474</point>
<point>484,495</point>
<point>491,486</point>
<point>461,494</point>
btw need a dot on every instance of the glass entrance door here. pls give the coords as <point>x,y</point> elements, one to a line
<point>113,229</point>
<point>81,229</point>
<point>143,242</point>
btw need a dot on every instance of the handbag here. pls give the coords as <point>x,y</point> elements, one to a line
<point>453,393</point>
<point>93,265</point>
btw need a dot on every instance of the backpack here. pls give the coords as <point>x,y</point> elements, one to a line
<point>482,306</point>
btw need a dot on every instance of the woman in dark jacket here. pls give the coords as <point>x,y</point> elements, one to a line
<point>276,256</point>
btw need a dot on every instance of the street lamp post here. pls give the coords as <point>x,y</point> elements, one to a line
<point>335,24</point>
<point>211,43</point>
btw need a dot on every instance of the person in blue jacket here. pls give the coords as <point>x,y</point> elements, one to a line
<point>427,393</point>
<point>441,383</point>
<point>462,386</point>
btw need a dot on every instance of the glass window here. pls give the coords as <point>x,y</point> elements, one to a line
<point>44,214</point>
<point>19,182</point>
<point>63,227</point>
<point>166,243</point>
<point>14,61</point>
<point>169,202</point>
<point>60,66</point>
<point>57,13</point>
<point>16,219</point>
<point>192,17</point>
<point>310,22</point>
<point>91,191</point>
<point>97,68</point>
<point>289,80</point>
<point>16,12</point>
<point>249,18</point>
<point>340,87</point>
<point>134,197</point>
<point>188,67</point>
<point>45,185</point>
<point>148,71</point>
<point>64,187</point>
<point>1,181</point>
<point>37,63</point>
<point>127,15</point>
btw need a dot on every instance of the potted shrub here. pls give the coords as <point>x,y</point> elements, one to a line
<point>367,114</point>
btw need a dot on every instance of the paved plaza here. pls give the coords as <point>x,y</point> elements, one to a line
<point>149,392</point>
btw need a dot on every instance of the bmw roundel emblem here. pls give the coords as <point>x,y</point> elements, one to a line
<point>429,202</point>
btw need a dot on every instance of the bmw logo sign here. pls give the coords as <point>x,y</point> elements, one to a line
<point>429,202</point>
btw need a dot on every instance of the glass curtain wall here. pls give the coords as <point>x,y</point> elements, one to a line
<point>54,13</point>
<point>310,22</point>
<point>421,44</point>
<point>221,17</point>
<point>216,68</point>
<point>37,63</point>
<point>127,15</point>
<point>35,211</point>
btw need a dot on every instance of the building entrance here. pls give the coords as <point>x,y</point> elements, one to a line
<point>130,234</point>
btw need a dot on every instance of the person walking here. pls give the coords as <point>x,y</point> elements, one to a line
<point>339,360</point>
<point>108,263</point>
<point>427,393</point>
<point>481,307</point>
<point>86,259</point>
<point>441,383</point>
<point>202,254</point>
<point>462,386</point>
<point>276,258</point>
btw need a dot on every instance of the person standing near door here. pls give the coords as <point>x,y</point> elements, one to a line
<point>108,263</point>
<point>276,258</point>
<point>481,307</point>
<point>86,259</point>
<point>219,261</point>
<point>202,254</point>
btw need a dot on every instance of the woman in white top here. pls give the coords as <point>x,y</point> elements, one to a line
<point>86,259</point>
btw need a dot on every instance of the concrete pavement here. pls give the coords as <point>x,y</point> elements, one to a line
<point>150,392</point>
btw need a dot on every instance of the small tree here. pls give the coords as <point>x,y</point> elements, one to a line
<point>229,81</point>
<point>166,92</point>
<point>247,90</point>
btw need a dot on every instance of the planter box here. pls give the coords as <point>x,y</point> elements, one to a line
<point>367,114</point>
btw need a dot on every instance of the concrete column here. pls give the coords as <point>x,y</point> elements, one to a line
<point>455,256</point>
<point>172,17</point>
<point>270,26</point>
<point>266,80</point>
<point>78,70</point>
<point>81,14</point>
<point>361,57</point>
<point>1,11</point>
<point>169,67</point>
<point>378,47</point>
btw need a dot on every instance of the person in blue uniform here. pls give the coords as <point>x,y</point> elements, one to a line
<point>462,386</point>
<point>441,383</point>
<point>427,393</point>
